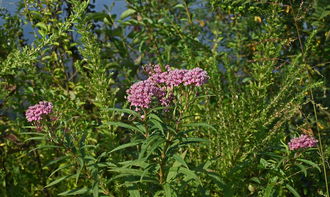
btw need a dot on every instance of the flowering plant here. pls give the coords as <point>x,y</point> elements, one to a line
<point>161,84</point>
<point>160,138</point>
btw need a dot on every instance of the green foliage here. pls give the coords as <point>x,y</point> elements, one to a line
<point>268,63</point>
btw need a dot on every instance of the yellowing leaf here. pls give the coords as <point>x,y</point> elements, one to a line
<point>287,9</point>
<point>320,126</point>
<point>257,19</point>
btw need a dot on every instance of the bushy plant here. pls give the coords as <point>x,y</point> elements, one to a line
<point>171,98</point>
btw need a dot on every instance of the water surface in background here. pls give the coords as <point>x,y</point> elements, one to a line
<point>118,6</point>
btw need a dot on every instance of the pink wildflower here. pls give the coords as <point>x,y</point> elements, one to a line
<point>160,85</point>
<point>35,112</point>
<point>304,141</point>
<point>140,94</point>
<point>177,77</point>
<point>196,76</point>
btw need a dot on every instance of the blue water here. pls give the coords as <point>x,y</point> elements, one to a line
<point>9,5</point>
<point>118,6</point>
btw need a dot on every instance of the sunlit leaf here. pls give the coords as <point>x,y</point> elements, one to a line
<point>60,179</point>
<point>124,125</point>
<point>127,111</point>
<point>131,144</point>
<point>74,192</point>
<point>127,13</point>
<point>179,159</point>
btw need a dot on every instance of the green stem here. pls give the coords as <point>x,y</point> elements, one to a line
<point>163,160</point>
<point>188,12</point>
<point>320,147</point>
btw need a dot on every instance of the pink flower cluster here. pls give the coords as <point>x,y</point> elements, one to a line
<point>160,85</point>
<point>304,141</point>
<point>141,93</point>
<point>176,77</point>
<point>35,112</point>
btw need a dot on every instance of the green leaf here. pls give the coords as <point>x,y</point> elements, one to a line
<point>134,143</point>
<point>174,170</point>
<point>189,174</point>
<point>128,111</point>
<point>128,171</point>
<point>42,33</point>
<point>87,146</point>
<point>58,159</point>
<point>44,146</point>
<point>33,133</point>
<point>179,159</point>
<point>36,138</point>
<point>146,173</point>
<point>157,125</point>
<point>292,190</point>
<point>42,25</point>
<point>74,192</point>
<point>179,5</point>
<point>134,192</point>
<point>59,180</point>
<point>199,125</point>
<point>90,159</point>
<point>124,125</point>
<point>95,188</point>
<point>81,165</point>
<point>255,179</point>
<point>150,144</point>
<point>106,164</point>
<point>154,116</point>
<point>310,163</point>
<point>303,169</point>
<point>141,128</point>
<point>269,190</point>
<point>167,190</point>
<point>172,173</point>
<point>155,146</point>
<point>139,163</point>
<point>217,178</point>
<point>127,13</point>
<point>60,168</point>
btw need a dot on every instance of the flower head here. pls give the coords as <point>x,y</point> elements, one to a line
<point>196,77</point>
<point>304,141</point>
<point>177,77</point>
<point>140,94</point>
<point>161,84</point>
<point>35,112</point>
